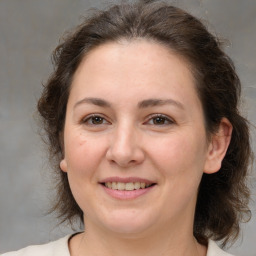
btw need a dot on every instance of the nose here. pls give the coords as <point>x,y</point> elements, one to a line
<point>125,148</point>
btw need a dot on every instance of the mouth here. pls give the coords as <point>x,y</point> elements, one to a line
<point>129,186</point>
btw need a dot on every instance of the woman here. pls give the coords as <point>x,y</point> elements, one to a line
<point>142,123</point>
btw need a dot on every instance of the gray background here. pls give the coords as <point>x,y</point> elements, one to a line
<point>29,31</point>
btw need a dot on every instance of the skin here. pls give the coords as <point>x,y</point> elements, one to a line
<point>127,140</point>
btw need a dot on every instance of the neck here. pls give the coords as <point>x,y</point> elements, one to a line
<point>165,242</point>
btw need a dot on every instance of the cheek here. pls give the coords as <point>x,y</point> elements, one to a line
<point>75,150</point>
<point>84,153</point>
<point>180,160</point>
<point>177,149</point>
<point>82,157</point>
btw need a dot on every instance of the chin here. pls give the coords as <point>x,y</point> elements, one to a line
<point>133,223</point>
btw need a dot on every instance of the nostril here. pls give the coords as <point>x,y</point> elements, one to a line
<point>125,156</point>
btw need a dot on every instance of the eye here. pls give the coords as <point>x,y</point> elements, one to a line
<point>159,119</point>
<point>94,120</point>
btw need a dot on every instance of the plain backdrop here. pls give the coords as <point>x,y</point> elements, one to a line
<point>29,31</point>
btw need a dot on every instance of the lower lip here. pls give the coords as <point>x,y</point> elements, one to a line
<point>125,194</point>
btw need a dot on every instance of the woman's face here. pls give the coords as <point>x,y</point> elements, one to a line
<point>134,139</point>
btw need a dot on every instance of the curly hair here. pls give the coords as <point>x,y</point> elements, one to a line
<point>223,196</point>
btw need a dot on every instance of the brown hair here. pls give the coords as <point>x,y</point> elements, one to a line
<point>223,196</point>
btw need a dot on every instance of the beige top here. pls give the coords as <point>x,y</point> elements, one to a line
<point>60,248</point>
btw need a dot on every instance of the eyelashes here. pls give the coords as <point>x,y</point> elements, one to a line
<point>95,119</point>
<point>153,119</point>
<point>159,120</point>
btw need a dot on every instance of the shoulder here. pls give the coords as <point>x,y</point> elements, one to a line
<point>214,250</point>
<point>55,248</point>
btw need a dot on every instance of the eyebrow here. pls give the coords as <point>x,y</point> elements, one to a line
<point>159,102</point>
<point>95,101</point>
<point>142,104</point>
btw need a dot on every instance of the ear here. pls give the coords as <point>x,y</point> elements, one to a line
<point>63,165</point>
<point>218,146</point>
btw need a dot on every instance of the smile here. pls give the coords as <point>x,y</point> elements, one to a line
<point>129,186</point>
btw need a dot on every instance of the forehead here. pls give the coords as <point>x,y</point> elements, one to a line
<point>148,53</point>
<point>134,67</point>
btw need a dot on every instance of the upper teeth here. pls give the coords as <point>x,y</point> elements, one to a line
<point>126,186</point>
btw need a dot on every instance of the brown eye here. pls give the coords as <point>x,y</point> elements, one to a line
<point>94,120</point>
<point>159,120</point>
<point>97,120</point>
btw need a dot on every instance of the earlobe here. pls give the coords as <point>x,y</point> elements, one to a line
<point>63,165</point>
<point>218,146</point>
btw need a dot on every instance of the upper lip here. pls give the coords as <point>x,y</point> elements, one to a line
<point>126,180</point>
